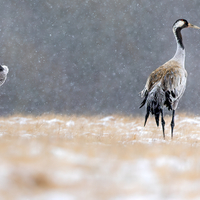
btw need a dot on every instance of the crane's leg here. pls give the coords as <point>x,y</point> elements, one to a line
<point>163,123</point>
<point>172,123</point>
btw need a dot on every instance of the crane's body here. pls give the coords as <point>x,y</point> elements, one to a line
<point>166,85</point>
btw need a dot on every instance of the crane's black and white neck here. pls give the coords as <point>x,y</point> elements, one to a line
<point>180,50</point>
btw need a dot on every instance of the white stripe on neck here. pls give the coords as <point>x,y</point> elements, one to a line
<point>180,55</point>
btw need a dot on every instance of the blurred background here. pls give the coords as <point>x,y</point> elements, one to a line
<point>91,56</point>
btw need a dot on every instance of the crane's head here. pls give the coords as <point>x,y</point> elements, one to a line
<point>182,23</point>
<point>3,73</point>
<point>4,69</point>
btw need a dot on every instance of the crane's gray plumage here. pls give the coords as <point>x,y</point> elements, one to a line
<point>166,85</point>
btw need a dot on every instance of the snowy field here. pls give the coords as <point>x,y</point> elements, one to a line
<point>54,157</point>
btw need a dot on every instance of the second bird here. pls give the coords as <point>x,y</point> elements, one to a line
<point>166,85</point>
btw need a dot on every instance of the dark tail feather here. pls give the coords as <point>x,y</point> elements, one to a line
<point>155,110</point>
<point>148,107</point>
<point>144,101</point>
<point>153,106</point>
<point>157,116</point>
<point>168,101</point>
<point>147,114</point>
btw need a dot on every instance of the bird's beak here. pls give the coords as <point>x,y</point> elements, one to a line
<point>193,26</point>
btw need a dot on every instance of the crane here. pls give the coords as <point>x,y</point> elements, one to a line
<point>166,85</point>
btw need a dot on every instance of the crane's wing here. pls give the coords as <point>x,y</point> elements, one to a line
<point>173,83</point>
<point>154,78</point>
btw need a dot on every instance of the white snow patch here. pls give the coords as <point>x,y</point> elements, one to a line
<point>69,156</point>
<point>5,171</point>
<point>175,163</point>
<point>106,119</point>
<point>51,121</point>
<point>102,123</point>
<point>20,120</point>
<point>54,195</point>
<point>141,130</point>
<point>191,121</point>
<point>63,177</point>
<point>70,123</point>
<point>26,135</point>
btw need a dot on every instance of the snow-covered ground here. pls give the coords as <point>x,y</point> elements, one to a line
<point>113,157</point>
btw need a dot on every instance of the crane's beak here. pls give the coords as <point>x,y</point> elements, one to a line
<point>193,26</point>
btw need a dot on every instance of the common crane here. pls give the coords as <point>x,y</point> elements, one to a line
<point>166,85</point>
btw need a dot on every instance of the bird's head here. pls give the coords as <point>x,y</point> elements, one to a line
<point>4,69</point>
<point>182,23</point>
<point>3,73</point>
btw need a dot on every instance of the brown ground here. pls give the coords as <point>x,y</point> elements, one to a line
<point>76,157</point>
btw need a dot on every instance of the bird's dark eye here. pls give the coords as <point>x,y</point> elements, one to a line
<point>1,68</point>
